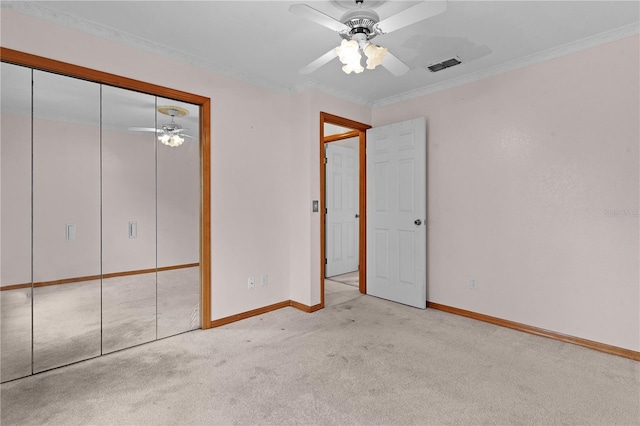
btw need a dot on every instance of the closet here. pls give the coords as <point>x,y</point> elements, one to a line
<point>100,219</point>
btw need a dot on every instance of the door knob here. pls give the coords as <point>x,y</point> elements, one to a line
<point>357,215</point>
<point>417,222</point>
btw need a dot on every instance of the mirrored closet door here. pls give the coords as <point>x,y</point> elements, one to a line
<point>128,219</point>
<point>178,218</point>
<point>66,220</point>
<point>100,220</point>
<point>15,222</point>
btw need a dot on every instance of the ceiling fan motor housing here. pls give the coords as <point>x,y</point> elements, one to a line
<point>171,128</point>
<point>360,21</point>
<point>172,111</point>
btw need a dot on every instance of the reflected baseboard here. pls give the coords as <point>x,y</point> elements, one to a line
<point>97,277</point>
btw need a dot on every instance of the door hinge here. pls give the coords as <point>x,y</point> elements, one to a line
<point>325,260</point>
<point>326,160</point>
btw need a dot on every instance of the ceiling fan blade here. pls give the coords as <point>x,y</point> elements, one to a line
<point>145,129</point>
<point>187,136</point>
<point>318,17</point>
<point>327,57</point>
<point>394,65</point>
<point>417,13</point>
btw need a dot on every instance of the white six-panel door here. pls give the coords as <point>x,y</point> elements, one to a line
<point>342,207</point>
<point>396,212</point>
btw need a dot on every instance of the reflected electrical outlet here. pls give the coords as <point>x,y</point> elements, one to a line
<point>133,229</point>
<point>71,231</point>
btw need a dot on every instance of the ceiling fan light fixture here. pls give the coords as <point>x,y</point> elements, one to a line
<point>356,68</point>
<point>349,54</point>
<point>375,55</point>
<point>176,140</point>
<point>171,140</point>
<point>359,25</point>
<point>171,133</point>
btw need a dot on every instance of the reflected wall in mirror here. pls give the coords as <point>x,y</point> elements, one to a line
<point>66,220</point>
<point>15,226</point>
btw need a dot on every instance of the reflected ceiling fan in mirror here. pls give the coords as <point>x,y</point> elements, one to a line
<point>357,27</point>
<point>170,134</point>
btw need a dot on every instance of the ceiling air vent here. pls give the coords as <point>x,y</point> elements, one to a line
<point>444,64</point>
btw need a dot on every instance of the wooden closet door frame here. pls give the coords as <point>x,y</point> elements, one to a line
<point>204,103</point>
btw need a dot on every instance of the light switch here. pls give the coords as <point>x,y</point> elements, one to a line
<point>315,206</point>
<point>133,229</point>
<point>71,231</point>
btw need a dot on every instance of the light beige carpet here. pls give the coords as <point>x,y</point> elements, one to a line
<point>359,361</point>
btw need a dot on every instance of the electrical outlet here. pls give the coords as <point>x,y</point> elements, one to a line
<point>251,283</point>
<point>474,284</point>
<point>265,280</point>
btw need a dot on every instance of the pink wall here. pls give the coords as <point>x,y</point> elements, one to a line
<point>178,204</point>
<point>129,194</point>
<point>15,180</point>
<point>67,190</point>
<point>524,172</point>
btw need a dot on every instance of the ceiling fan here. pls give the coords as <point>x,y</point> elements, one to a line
<point>170,134</point>
<point>357,27</point>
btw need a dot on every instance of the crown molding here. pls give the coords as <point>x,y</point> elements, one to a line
<point>41,11</point>
<point>562,50</point>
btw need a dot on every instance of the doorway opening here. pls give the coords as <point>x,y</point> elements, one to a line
<point>347,251</point>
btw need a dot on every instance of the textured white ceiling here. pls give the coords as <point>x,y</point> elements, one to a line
<point>262,42</point>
